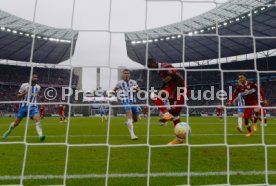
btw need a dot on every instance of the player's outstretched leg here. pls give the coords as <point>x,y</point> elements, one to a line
<point>7,133</point>
<point>36,119</point>
<point>256,117</point>
<point>263,123</point>
<point>248,127</point>
<point>166,115</point>
<point>11,127</point>
<point>130,129</point>
<point>239,127</point>
<point>42,138</point>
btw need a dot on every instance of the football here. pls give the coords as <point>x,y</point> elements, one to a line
<point>182,129</point>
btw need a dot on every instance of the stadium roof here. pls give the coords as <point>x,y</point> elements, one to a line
<point>51,45</point>
<point>231,21</point>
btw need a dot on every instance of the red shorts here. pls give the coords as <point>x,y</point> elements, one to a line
<point>264,112</point>
<point>177,103</point>
<point>175,99</point>
<point>61,113</point>
<point>248,112</point>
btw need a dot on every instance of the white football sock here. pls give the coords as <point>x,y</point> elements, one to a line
<point>11,126</point>
<point>130,127</point>
<point>240,122</point>
<point>38,129</point>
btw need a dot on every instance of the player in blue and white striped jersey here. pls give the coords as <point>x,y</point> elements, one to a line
<point>28,94</point>
<point>126,91</point>
<point>241,105</point>
<point>103,113</point>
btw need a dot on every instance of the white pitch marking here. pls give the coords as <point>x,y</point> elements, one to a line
<point>133,175</point>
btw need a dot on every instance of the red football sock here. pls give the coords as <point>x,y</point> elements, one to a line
<point>248,127</point>
<point>176,120</point>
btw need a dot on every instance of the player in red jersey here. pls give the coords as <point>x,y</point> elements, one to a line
<point>61,114</point>
<point>249,91</point>
<point>41,111</point>
<point>174,86</point>
<point>146,111</point>
<point>219,111</point>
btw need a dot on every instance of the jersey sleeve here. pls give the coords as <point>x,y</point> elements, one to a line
<point>171,71</point>
<point>23,88</point>
<point>39,88</point>
<point>118,85</point>
<point>235,95</point>
<point>262,94</point>
<point>135,83</point>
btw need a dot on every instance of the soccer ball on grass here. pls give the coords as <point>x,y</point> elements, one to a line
<point>182,130</point>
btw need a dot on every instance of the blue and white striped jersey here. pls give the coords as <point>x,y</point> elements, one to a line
<point>241,102</point>
<point>25,87</point>
<point>127,94</point>
<point>102,109</point>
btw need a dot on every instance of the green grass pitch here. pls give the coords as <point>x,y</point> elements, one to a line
<point>87,165</point>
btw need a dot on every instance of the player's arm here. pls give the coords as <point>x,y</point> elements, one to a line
<point>261,93</point>
<point>22,92</point>
<point>235,100</point>
<point>179,78</point>
<point>234,96</point>
<point>136,87</point>
<point>114,91</point>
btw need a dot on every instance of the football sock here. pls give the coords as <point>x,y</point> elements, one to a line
<point>38,129</point>
<point>248,127</point>
<point>176,120</point>
<point>240,122</point>
<point>130,127</point>
<point>11,127</point>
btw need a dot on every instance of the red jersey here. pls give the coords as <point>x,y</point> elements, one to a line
<point>249,92</point>
<point>60,108</point>
<point>146,110</point>
<point>165,73</point>
<point>170,72</point>
<point>219,110</point>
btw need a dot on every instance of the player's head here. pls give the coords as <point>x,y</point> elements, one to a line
<point>34,78</point>
<point>242,78</point>
<point>126,74</point>
<point>152,63</point>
